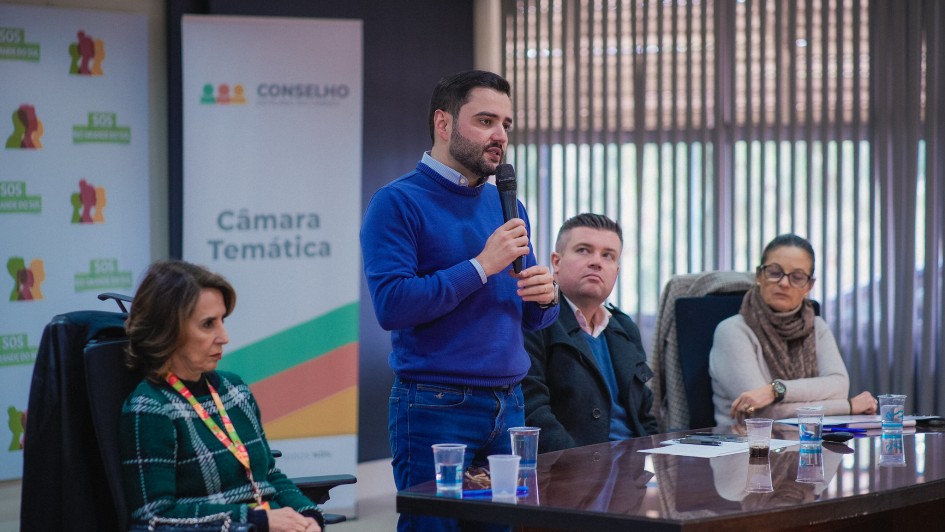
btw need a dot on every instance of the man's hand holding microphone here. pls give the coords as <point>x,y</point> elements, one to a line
<point>509,244</point>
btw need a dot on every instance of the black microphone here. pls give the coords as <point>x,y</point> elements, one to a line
<point>505,181</point>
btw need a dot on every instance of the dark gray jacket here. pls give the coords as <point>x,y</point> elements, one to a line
<point>565,393</point>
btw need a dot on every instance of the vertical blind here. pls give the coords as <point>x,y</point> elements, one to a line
<point>708,127</point>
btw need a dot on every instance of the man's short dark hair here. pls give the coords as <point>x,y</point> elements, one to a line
<point>591,220</point>
<point>452,92</point>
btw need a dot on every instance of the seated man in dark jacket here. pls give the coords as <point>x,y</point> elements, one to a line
<point>587,383</point>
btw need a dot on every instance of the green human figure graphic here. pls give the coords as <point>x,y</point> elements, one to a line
<point>16,424</point>
<point>15,140</point>
<point>76,201</point>
<point>74,55</point>
<point>14,266</point>
<point>207,96</point>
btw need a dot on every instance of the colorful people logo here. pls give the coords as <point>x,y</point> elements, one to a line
<point>87,198</point>
<point>223,93</point>
<point>27,282</point>
<point>17,423</point>
<point>27,129</point>
<point>87,55</point>
<point>238,94</point>
<point>223,96</point>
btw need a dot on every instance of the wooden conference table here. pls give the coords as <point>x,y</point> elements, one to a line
<point>612,486</point>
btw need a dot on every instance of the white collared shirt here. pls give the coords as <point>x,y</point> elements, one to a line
<point>583,323</point>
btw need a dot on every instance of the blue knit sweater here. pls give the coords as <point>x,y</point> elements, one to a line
<point>418,235</point>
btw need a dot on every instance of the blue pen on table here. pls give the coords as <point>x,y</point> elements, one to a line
<point>845,429</point>
<point>487,494</point>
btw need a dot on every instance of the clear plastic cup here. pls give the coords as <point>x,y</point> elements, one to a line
<point>891,410</point>
<point>810,466</point>
<point>503,471</point>
<point>810,423</point>
<point>448,461</point>
<point>525,444</point>
<point>891,414</point>
<point>759,475</point>
<point>759,436</point>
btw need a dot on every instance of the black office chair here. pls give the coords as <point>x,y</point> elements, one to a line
<point>696,320</point>
<point>71,465</point>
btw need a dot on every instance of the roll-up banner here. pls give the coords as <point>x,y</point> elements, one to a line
<point>74,208</point>
<point>271,200</point>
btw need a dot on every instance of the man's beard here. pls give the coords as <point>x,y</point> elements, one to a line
<point>471,155</point>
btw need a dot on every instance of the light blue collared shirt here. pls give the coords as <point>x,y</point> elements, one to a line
<point>446,171</point>
<point>461,180</point>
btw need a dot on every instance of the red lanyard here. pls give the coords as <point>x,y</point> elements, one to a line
<point>230,439</point>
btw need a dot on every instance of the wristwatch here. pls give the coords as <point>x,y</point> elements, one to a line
<point>553,301</point>
<point>779,389</point>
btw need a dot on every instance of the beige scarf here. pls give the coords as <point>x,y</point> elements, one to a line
<point>787,340</point>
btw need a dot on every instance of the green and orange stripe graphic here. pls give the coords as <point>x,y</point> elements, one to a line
<point>305,378</point>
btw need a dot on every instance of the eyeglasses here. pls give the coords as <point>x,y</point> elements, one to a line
<point>773,273</point>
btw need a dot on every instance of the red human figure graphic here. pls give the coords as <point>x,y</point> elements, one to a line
<point>86,52</point>
<point>37,133</point>
<point>22,434</point>
<point>223,93</point>
<point>26,284</point>
<point>87,195</point>
<point>28,117</point>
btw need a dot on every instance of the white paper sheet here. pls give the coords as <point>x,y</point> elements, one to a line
<point>709,451</point>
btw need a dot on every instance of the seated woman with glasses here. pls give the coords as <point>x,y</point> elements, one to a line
<point>775,354</point>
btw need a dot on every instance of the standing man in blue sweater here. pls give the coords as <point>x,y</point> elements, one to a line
<point>438,262</point>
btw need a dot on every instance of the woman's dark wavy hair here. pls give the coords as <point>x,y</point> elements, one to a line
<point>162,305</point>
<point>452,92</point>
<point>792,240</point>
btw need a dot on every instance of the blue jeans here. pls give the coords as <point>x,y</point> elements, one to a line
<point>424,414</point>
